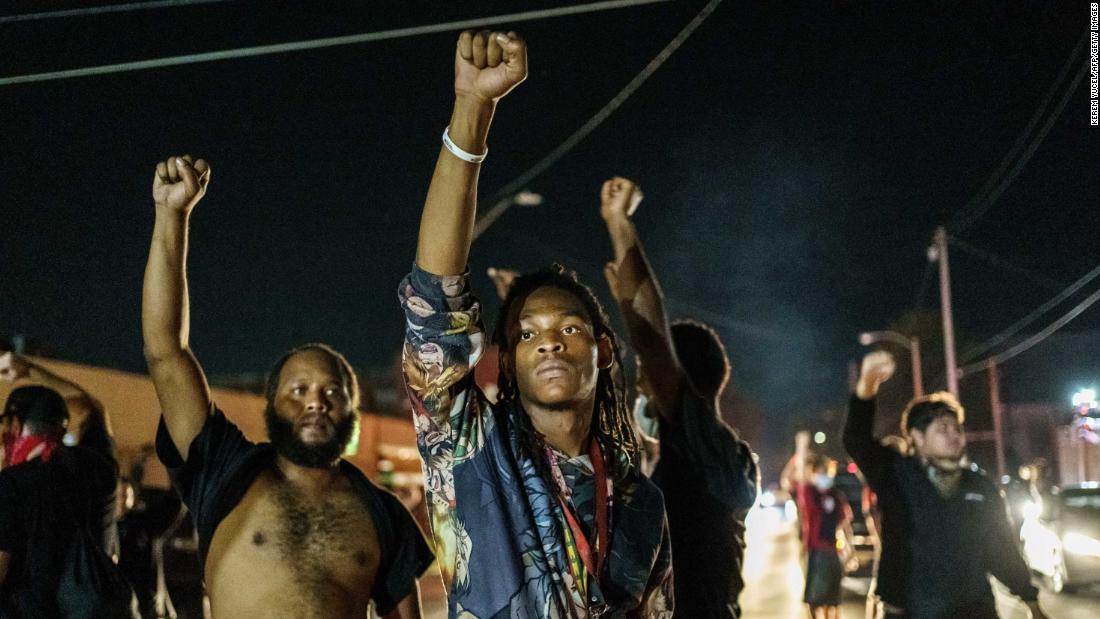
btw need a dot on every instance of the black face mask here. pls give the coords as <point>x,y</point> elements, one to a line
<point>322,455</point>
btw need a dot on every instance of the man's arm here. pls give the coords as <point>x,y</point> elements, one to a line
<point>15,367</point>
<point>487,66</point>
<point>872,457</point>
<point>635,288</point>
<point>181,387</point>
<point>1004,560</point>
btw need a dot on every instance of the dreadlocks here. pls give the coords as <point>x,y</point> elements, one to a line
<point>612,427</point>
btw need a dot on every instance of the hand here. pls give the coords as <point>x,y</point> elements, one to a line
<point>179,183</point>
<point>877,368</point>
<point>488,65</point>
<point>13,367</point>
<point>503,280</point>
<point>619,197</point>
<point>802,440</point>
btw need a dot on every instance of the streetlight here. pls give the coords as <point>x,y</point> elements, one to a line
<point>911,343</point>
<point>522,198</point>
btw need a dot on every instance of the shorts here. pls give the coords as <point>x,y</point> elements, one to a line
<point>823,575</point>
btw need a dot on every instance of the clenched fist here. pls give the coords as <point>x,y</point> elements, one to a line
<point>619,197</point>
<point>488,65</point>
<point>877,368</point>
<point>179,183</point>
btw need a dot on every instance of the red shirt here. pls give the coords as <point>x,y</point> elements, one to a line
<point>821,514</point>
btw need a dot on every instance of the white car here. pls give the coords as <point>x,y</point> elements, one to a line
<point>1061,539</point>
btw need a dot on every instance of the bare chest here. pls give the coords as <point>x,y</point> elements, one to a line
<point>282,542</point>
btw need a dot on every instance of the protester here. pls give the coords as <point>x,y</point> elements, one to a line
<point>286,528</point>
<point>824,515</point>
<point>945,527</point>
<point>707,474</point>
<point>88,422</point>
<point>48,493</point>
<point>537,505</point>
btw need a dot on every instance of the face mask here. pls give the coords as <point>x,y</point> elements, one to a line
<point>648,425</point>
<point>823,482</point>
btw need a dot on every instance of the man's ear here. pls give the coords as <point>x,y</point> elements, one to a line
<point>605,352</point>
<point>916,439</point>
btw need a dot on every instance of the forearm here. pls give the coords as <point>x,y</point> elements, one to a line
<point>165,308</point>
<point>446,226</point>
<point>43,376</point>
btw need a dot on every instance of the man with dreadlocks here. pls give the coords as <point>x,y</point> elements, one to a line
<point>537,505</point>
<point>707,474</point>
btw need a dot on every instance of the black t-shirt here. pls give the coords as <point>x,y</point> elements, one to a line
<point>222,465</point>
<point>710,480</point>
<point>39,505</point>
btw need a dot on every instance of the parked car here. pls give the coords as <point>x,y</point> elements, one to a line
<point>1061,537</point>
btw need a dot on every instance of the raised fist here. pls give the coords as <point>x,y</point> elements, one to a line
<point>488,65</point>
<point>12,367</point>
<point>877,368</point>
<point>179,183</point>
<point>619,197</point>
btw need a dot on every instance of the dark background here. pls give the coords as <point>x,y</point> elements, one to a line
<point>795,156</point>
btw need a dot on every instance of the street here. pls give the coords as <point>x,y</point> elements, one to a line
<point>773,580</point>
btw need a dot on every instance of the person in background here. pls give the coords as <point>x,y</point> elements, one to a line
<point>824,515</point>
<point>708,475</point>
<point>945,526</point>
<point>48,491</point>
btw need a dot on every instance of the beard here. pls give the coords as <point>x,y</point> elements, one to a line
<point>281,433</point>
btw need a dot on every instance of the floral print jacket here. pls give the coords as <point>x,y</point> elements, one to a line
<point>499,530</point>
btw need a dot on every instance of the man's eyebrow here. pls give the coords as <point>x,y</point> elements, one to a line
<point>563,313</point>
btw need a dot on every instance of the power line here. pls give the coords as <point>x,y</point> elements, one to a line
<point>555,155</point>
<point>1033,340</point>
<point>99,10</point>
<point>992,190</point>
<point>1026,320</point>
<point>280,48</point>
<point>1004,263</point>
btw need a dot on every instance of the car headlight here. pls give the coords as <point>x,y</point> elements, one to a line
<point>1079,544</point>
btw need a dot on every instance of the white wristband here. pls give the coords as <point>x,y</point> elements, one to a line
<point>458,152</point>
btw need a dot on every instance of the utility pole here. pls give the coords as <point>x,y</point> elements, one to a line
<point>938,253</point>
<point>997,409</point>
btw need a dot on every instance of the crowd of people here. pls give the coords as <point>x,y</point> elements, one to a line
<point>554,495</point>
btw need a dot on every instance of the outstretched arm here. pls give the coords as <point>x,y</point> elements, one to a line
<point>184,396</point>
<point>487,66</point>
<point>638,294</point>
<point>15,367</point>
<point>872,457</point>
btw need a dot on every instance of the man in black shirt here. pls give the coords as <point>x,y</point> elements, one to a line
<point>44,488</point>
<point>945,528</point>
<point>286,528</point>
<point>707,474</point>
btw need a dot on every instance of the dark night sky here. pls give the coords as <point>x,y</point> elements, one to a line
<point>796,157</point>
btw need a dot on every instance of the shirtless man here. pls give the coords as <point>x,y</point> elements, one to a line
<point>287,528</point>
